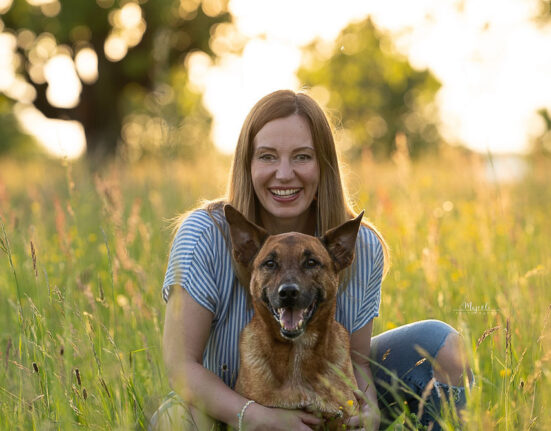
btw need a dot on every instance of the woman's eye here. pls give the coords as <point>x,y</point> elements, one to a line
<point>311,263</point>
<point>267,157</point>
<point>303,157</point>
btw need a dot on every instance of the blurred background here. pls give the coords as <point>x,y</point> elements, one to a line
<point>133,79</point>
<point>117,115</point>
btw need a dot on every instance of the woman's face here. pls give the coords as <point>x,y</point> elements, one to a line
<point>285,172</point>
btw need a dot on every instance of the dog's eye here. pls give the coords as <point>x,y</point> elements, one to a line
<point>270,264</point>
<point>311,263</point>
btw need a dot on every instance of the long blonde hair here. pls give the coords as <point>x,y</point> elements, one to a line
<point>333,205</point>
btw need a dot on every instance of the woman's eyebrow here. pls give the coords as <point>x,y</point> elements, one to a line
<point>267,148</point>
<point>264,147</point>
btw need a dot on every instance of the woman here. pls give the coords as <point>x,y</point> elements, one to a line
<point>285,177</point>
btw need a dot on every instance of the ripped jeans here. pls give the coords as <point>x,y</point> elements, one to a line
<point>402,374</point>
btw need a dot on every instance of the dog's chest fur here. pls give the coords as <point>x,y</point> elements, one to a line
<point>307,373</point>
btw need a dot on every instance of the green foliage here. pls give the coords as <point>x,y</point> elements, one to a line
<point>376,92</point>
<point>147,86</point>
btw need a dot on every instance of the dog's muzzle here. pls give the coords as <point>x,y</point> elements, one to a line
<point>292,310</point>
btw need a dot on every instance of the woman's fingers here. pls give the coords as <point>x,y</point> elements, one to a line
<point>359,423</point>
<point>354,422</point>
<point>308,418</point>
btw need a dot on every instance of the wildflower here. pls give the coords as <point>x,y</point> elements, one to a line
<point>390,325</point>
<point>505,372</point>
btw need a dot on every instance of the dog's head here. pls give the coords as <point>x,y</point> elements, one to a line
<point>294,277</point>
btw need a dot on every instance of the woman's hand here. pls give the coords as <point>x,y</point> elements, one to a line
<point>369,418</point>
<point>260,418</point>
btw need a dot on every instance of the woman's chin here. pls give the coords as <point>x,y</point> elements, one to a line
<point>287,211</point>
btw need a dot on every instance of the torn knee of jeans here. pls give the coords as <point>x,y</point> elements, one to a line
<point>450,392</point>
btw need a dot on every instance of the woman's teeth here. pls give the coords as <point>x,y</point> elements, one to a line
<point>286,192</point>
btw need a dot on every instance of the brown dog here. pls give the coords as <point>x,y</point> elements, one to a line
<point>293,353</point>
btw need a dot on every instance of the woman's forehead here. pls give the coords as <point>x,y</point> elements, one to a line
<point>292,131</point>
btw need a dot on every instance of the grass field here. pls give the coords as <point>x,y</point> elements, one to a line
<point>82,259</point>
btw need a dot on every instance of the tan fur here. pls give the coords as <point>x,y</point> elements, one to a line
<point>312,371</point>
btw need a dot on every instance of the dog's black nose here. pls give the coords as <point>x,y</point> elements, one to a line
<point>288,291</point>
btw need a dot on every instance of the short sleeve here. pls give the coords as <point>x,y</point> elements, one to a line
<point>190,264</point>
<point>367,277</point>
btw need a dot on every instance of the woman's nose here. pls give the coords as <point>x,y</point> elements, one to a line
<point>284,170</point>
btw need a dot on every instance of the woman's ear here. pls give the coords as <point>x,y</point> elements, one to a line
<point>340,242</point>
<point>246,237</point>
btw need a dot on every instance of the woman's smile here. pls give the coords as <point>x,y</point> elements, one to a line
<point>282,194</point>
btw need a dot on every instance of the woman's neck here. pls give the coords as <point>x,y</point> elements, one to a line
<point>304,223</point>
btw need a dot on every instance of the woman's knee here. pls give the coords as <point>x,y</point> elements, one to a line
<point>451,364</point>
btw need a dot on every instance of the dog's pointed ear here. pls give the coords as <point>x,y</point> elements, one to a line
<point>340,242</point>
<point>246,237</point>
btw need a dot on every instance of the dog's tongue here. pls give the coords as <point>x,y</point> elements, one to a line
<point>290,318</point>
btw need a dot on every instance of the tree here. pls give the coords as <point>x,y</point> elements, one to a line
<point>140,47</point>
<point>378,93</point>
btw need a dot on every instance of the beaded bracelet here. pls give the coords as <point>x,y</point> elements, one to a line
<point>240,415</point>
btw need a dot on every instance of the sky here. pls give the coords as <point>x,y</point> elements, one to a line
<point>492,59</point>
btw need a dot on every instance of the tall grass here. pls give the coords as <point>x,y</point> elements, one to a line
<point>82,259</point>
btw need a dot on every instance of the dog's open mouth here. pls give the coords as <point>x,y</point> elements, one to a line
<point>293,320</point>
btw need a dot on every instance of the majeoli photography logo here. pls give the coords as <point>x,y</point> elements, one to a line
<point>470,307</point>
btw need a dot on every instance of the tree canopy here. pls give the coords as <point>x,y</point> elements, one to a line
<point>139,94</point>
<point>379,95</point>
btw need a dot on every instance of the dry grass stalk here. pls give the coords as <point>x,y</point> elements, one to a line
<point>33,254</point>
<point>487,333</point>
<point>424,396</point>
<point>420,361</point>
<point>105,387</point>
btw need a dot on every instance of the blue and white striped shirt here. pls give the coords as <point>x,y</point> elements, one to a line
<point>200,262</point>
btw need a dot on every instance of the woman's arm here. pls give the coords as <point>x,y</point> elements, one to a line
<point>186,331</point>
<point>360,348</point>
